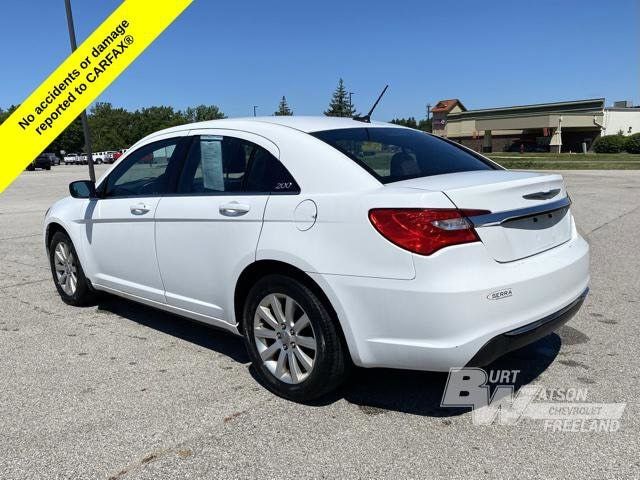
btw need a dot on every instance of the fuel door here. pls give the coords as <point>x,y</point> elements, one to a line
<point>305,215</point>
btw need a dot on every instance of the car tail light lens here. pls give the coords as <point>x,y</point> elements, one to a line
<point>425,231</point>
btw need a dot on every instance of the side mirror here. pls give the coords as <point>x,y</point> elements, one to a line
<point>82,189</point>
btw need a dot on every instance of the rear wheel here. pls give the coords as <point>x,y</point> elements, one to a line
<point>68,275</point>
<point>292,339</point>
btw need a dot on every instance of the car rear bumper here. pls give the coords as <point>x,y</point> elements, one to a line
<point>514,339</point>
<point>448,314</point>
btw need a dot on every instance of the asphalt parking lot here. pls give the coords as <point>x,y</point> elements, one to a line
<point>122,391</point>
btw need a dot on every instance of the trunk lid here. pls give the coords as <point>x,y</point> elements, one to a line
<point>521,233</point>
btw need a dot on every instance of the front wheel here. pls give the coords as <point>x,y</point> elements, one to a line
<point>293,340</point>
<point>68,275</point>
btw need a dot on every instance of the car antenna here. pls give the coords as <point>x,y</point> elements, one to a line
<point>367,118</point>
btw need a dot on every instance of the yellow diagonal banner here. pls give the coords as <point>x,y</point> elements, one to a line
<point>80,79</point>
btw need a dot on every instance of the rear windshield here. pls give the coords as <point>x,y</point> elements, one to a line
<point>394,154</point>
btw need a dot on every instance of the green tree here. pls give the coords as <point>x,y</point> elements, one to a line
<point>4,114</point>
<point>283,108</point>
<point>632,143</point>
<point>114,128</point>
<point>202,113</point>
<point>110,127</point>
<point>71,140</point>
<point>340,105</point>
<point>609,144</point>
<point>406,122</point>
<point>151,119</point>
<point>424,125</point>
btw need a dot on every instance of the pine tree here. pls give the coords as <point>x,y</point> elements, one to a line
<point>283,108</point>
<point>406,122</point>
<point>340,105</point>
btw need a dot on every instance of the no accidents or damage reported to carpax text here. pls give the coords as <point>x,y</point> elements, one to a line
<point>78,81</point>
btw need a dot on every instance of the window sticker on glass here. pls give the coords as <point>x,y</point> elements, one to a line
<point>211,161</point>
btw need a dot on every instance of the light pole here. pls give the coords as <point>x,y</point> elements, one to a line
<point>85,122</point>
<point>255,107</point>
<point>350,102</point>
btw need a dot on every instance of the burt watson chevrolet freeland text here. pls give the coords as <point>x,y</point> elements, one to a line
<point>78,80</point>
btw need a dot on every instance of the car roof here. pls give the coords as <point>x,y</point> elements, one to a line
<point>319,123</point>
<point>306,124</point>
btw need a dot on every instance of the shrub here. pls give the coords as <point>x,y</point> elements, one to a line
<point>610,144</point>
<point>633,143</point>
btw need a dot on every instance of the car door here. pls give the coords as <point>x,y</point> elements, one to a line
<point>208,231</point>
<point>121,231</point>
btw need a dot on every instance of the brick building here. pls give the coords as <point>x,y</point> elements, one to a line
<point>559,126</point>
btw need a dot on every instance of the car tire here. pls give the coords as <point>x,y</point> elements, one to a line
<point>281,365</point>
<point>61,249</point>
<point>48,167</point>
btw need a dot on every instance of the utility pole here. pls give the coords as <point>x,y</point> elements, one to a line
<point>350,102</point>
<point>255,107</point>
<point>85,122</point>
<point>428,111</point>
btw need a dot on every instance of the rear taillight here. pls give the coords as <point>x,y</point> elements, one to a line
<point>425,231</point>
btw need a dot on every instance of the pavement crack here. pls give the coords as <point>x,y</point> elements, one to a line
<point>25,264</point>
<point>35,307</point>
<point>31,282</point>
<point>612,220</point>
<point>179,450</point>
<point>21,236</point>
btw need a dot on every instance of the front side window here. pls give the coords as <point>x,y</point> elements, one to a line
<point>394,154</point>
<point>147,171</point>
<point>217,165</point>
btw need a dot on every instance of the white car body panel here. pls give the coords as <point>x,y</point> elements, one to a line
<point>190,228</point>
<point>195,250</point>
<point>119,239</point>
<point>396,308</point>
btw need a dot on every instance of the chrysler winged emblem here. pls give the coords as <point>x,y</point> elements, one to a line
<point>542,195</point>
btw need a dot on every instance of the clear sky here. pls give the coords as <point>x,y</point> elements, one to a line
<point>244,53</point>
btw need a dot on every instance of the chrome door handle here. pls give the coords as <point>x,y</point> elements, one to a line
<point>139,209</point>
<point>234,209</point>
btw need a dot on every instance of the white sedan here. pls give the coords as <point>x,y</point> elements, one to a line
<point>326,242</point>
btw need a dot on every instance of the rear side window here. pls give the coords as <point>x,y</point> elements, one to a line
<point>267,174</point>
<point>215,164</point>
<point>394,154</point>
<point>218,165</point>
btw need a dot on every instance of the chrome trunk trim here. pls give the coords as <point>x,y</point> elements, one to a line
<point>493,219</point>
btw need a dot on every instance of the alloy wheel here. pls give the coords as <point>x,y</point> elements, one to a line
<point>284,338</point>
<point>66,268</point>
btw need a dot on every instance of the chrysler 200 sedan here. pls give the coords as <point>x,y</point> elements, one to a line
<point>326,242</point>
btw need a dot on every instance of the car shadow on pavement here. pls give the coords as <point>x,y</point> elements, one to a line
<point>375,391</point>
<point>191,331</point>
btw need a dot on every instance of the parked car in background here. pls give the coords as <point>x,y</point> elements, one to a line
<point>423,255</point>
<point>55,160</point>
<point>119,153</point>
<point>42,161</point>
<point>70,158</point>
<point>103,157</point>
